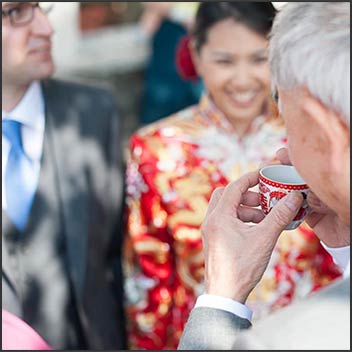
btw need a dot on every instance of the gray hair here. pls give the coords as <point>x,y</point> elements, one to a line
<point>310,46</point>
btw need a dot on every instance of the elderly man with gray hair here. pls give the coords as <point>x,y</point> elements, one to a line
<point>310,65</point>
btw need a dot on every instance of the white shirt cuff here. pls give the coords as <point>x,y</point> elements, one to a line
<point>340,255</point>
<point>226,304</point>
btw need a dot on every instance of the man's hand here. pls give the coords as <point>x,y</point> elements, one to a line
<point>325,223</point>
<point>237,253</point>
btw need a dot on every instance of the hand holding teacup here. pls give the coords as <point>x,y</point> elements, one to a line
<point>236,234</point>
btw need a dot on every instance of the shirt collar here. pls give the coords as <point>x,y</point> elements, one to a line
<point>213,116</point>
<point>30,110</point>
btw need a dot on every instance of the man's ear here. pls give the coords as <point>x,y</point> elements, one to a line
<point>333,129</point>
<point>195,56</point>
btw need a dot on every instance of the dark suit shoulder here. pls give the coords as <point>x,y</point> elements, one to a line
<point>93,108</point>
<point>97,91</point>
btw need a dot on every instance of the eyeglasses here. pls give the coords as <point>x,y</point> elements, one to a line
<point>21,14</point>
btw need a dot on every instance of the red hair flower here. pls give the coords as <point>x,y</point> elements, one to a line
<point>184,62</point>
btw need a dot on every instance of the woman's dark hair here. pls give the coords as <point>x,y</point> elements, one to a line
<point>258,16</point>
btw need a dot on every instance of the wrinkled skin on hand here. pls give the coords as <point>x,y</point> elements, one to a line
<point>238,239</point>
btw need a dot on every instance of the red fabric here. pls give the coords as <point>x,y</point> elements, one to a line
<point>184,62</point>
<point>18,335</point>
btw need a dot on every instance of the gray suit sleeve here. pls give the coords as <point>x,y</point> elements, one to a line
<point>211,329</point>
<point>318,322</point>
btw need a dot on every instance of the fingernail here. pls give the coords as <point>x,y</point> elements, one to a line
<point>294,200</point>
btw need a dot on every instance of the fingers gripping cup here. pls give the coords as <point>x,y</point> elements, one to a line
<point>275,182</point>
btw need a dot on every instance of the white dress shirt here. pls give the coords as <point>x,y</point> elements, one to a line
<point>30,112</point>
<point>341,257</point>
<point>224,303</point>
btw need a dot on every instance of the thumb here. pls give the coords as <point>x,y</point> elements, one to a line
<point>282,213</point>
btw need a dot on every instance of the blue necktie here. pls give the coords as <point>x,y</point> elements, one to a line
<point>20,176</point>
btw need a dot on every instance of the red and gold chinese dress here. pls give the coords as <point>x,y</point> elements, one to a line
<point>173,167</point>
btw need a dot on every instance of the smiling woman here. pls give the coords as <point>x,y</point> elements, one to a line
<point>175,164</point>
<point>236,76</point>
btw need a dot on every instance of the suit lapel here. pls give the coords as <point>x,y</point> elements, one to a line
<point>9,230</point>
<point>7,225</point>
<point>61,123</point>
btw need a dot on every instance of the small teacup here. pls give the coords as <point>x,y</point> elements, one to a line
<point>275,182</point>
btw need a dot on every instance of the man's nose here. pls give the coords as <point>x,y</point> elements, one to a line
<point>41,24</point>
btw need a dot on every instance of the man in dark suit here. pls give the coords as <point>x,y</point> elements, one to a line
<point>310,65</point>
<point>62,194</point>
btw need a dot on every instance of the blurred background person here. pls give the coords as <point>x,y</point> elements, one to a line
<point>175,164</point>
<point>62,193</point>
<point>165,92</point>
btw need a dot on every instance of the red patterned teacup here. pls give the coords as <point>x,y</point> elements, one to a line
<point>275,181</point>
